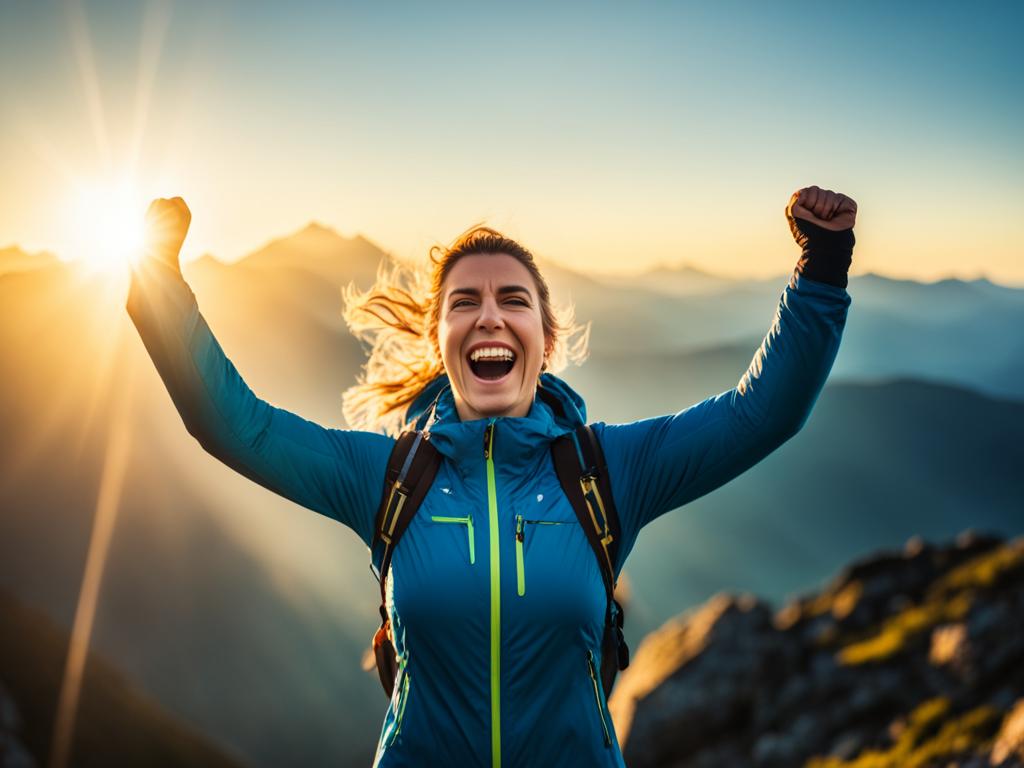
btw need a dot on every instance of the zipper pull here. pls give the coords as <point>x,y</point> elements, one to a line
<point>519,528</point>
<point>488,440</point>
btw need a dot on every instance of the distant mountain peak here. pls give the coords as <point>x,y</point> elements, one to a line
<point>683,269</point>
<point>321,250</point>
<point>14,259</point>
<point>208,260</point>
<point>315,227</point>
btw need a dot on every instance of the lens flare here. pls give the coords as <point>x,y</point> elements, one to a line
<point>105,226</point>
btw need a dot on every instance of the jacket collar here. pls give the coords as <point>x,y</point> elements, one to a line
<point>556,410</point>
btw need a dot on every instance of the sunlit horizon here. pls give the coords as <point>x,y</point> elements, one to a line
<point>608,148</point>
<point>121,263</point>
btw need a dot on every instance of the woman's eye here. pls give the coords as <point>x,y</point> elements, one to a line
<point>519,302</point>
<point>461,303</point>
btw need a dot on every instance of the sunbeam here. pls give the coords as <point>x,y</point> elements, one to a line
<point>107,502</point>
<point>107,330</point>
<point>154,29</point>
<point>27,128</point>
<point>81,44</point>
<point>44,321</point>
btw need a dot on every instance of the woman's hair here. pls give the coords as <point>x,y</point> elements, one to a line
<point>399,317</point>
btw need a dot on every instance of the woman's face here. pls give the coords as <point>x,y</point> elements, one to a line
<point>491,336</point>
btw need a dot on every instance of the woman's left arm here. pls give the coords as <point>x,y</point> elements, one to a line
<point>662,463</point>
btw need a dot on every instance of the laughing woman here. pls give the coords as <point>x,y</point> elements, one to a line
<point>499,628</point>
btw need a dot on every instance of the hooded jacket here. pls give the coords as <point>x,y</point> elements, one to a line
<point>495,597</point>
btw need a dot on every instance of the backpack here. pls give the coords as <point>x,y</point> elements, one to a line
<point>583,475</point>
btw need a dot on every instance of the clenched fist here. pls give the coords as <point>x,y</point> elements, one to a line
<point>166,226</point>
<point>823,207</point>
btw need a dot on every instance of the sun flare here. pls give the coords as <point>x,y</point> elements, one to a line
<point>105,229</point>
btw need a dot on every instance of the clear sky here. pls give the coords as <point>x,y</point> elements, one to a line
<point>611,136</point>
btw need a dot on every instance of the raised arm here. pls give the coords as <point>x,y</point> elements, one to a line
<point>338,473</point>
<point>662,463</point>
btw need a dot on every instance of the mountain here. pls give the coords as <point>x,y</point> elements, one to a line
<point>247,616</point>
<point>964,332</point>
<point>873,466</point>
<point>968,333</point>
<point>628,317</point>
<point>905,658</point>
<point>13,259</point>
<point>684,281</point>
<point>321,251</point>
<point>115,723</point>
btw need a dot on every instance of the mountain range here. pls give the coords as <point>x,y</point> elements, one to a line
<point>247,616</point>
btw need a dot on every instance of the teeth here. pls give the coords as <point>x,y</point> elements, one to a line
<point>492,353</point>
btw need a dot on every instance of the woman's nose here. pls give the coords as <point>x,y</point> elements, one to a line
<point>490,315</point>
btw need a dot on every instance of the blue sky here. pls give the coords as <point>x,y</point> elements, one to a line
<point>612,136</point>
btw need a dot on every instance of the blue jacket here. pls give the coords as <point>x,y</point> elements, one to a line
<point>495,597</point>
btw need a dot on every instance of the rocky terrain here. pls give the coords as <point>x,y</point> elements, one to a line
<point>912,658</point>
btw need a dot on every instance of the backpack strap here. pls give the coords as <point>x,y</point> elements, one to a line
<point>582,471</point>
<point>412,466</point>
<point>411,470</point>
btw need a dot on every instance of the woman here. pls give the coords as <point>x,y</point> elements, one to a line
<point>497,647</point>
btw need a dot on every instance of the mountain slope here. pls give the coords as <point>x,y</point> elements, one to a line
<point>115,725</point>
<point>873,466</point>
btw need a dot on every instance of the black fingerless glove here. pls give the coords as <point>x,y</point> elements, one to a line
<point>827,255</point>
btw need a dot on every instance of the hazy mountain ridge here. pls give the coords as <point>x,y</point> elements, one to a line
<point>873,466</point>
<point>14,259</point>
<point>965,332</point>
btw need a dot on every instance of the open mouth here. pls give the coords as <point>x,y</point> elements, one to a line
<point>492,363</point>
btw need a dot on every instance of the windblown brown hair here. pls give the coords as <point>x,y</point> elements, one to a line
<point>399,317</point>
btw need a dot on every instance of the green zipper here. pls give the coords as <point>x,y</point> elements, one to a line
<point>466,521</point>
<point>597,697</point>
<point>492,509</point>
<point>520,572</point>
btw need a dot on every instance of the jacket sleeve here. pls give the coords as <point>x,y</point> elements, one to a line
<point>338,473</point>
<point>662,463</point>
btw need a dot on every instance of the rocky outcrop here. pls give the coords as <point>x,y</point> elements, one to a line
<point>1009,746</point>
<point>912,658</point>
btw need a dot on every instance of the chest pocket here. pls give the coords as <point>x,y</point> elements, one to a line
<point>467,521</point>
<point>557,578</point>
<point>529,529</point>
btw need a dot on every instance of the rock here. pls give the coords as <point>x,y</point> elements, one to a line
<point>915,655</point>
<point>950,646</point>
<point>697,678</point>
<point>1009,744</point>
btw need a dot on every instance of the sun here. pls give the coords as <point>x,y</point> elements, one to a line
<point>105,225</point>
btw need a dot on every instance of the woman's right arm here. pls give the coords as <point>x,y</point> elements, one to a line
<point>338,473</point>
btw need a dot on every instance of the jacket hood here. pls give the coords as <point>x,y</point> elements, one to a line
<point>556,410</point>
<point>565,405</point>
